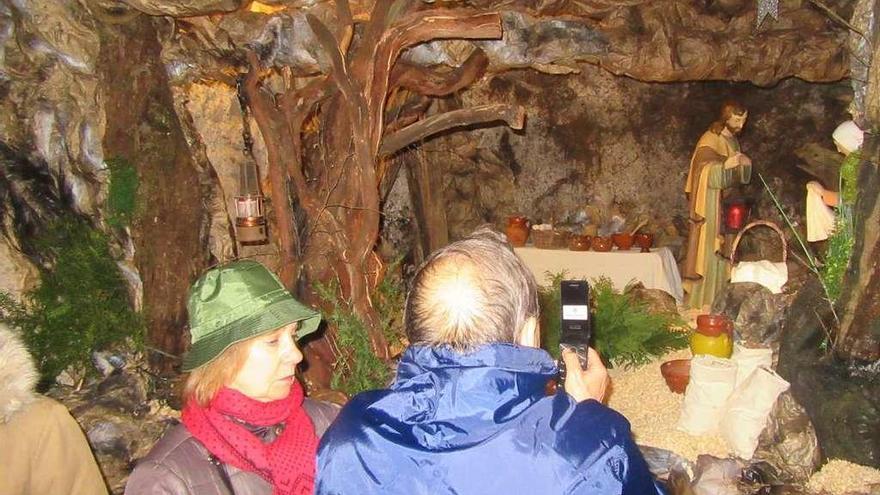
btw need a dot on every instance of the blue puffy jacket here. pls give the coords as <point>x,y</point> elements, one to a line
<point>478,423</point>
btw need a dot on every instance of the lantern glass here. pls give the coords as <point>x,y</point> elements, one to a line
<point>249,206</point>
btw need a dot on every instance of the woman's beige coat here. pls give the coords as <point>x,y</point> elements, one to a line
<point>42,448</point>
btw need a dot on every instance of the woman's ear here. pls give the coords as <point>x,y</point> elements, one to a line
<point>530,333</point>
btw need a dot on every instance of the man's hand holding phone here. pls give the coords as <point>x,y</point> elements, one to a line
<point>583,384</point>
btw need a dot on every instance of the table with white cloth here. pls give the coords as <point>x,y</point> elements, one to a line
<point>655,269</point>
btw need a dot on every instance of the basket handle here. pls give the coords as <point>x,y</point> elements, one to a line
<point>755,224</point>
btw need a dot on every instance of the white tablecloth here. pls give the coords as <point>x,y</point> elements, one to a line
<point>656,270</point>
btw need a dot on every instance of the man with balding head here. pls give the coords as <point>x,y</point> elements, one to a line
<point>467,412</point>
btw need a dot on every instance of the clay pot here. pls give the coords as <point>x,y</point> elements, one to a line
<point>644,241</point>
<point>714,325</point>
<point>517,230</point>
<point>677,374</point>
<point>622,241</point>
<point>579,243</point>
<point>602,244</point>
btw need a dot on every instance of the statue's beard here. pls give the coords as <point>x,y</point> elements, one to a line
<point>734,130</point>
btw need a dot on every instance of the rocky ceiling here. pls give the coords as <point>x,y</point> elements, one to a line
<point>665,40</point>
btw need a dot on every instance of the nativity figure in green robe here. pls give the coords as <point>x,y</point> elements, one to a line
<point>717,164</point>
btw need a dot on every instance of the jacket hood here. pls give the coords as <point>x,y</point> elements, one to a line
<point>443,399</point>
<point>18,375</point>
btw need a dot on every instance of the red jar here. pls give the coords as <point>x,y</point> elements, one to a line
<point>517,230</point>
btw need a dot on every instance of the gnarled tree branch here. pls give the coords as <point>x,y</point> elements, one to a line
<point>414,29</point>
<point>513,115</point>
<point>433,83</point>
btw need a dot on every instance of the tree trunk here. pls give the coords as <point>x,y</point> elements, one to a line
<point>429,206</point>
<point>169,249</point>
<point>333,168</point>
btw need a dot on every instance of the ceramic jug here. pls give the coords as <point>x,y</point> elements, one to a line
<point>517,230</point>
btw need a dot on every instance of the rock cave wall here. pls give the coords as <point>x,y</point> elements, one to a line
<point>618,144</point>
<point>592,138</point>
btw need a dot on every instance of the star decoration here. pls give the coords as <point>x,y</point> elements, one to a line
<point>767,7</point>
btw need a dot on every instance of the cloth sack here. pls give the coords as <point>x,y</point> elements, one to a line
<point>820,217</point>
<point>770,274</point>
<point>747,410</point>
<point>711,383</point>
<point>748,360</point>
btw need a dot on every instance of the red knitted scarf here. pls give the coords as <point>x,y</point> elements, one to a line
<point>288,463</point>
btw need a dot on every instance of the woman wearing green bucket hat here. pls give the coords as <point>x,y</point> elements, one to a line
<point>246,429</point>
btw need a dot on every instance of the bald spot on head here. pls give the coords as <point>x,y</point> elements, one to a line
<point>450,300</point>
<point>472,292</point>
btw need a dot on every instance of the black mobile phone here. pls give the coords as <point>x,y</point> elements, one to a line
<point>576,325</point>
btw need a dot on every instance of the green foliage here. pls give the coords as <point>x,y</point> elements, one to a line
<point>80,305</point>
<point>122,197</point>
<point>625,332</point>
<point>849,171</point>
<point>388,299</point>
<point>357,368</point>
<point>841,242</point>
<point>550,299</point>
<point>840,248</point>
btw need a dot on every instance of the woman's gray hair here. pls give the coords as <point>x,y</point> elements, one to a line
<point>472,292</point>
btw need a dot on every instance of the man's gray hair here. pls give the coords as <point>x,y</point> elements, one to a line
<point>472,292</point>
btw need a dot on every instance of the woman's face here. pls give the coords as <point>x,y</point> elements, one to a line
<point>268,371</point>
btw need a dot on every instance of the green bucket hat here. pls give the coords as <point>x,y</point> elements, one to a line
<point>237,301</point>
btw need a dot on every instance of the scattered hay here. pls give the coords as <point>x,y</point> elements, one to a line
<point>642,396</point>
<point>840,477</point>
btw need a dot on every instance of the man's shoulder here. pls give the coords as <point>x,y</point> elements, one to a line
<point>357,410</point>
<point>710,139</point>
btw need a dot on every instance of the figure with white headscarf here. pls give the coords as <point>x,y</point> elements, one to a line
<point>821,218</point>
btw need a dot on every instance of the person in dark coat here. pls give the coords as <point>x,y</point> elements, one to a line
<point>467,412</point>
<point>246,427</point>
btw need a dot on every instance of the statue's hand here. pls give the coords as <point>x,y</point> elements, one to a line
<point>744,159</point>
<point>732,161</point>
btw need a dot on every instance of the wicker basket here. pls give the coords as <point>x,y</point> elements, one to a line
<point>549,239</point>
<point>756,223</point>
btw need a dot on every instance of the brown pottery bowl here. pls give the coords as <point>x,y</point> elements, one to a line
<point>622,241</point>
<point>579,243</point>
<point>677,374</point>
<point>602,244</point>
<point>644,241</point>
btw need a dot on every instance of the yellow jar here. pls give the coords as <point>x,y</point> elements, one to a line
<point>719,346</point>
<point>714,336</point>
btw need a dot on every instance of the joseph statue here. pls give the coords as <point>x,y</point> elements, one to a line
<point>717,164</point>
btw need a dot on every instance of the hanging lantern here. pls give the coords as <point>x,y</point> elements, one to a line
<point>250,218</point>
<point>250,222</point>
<point>736,214</point>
